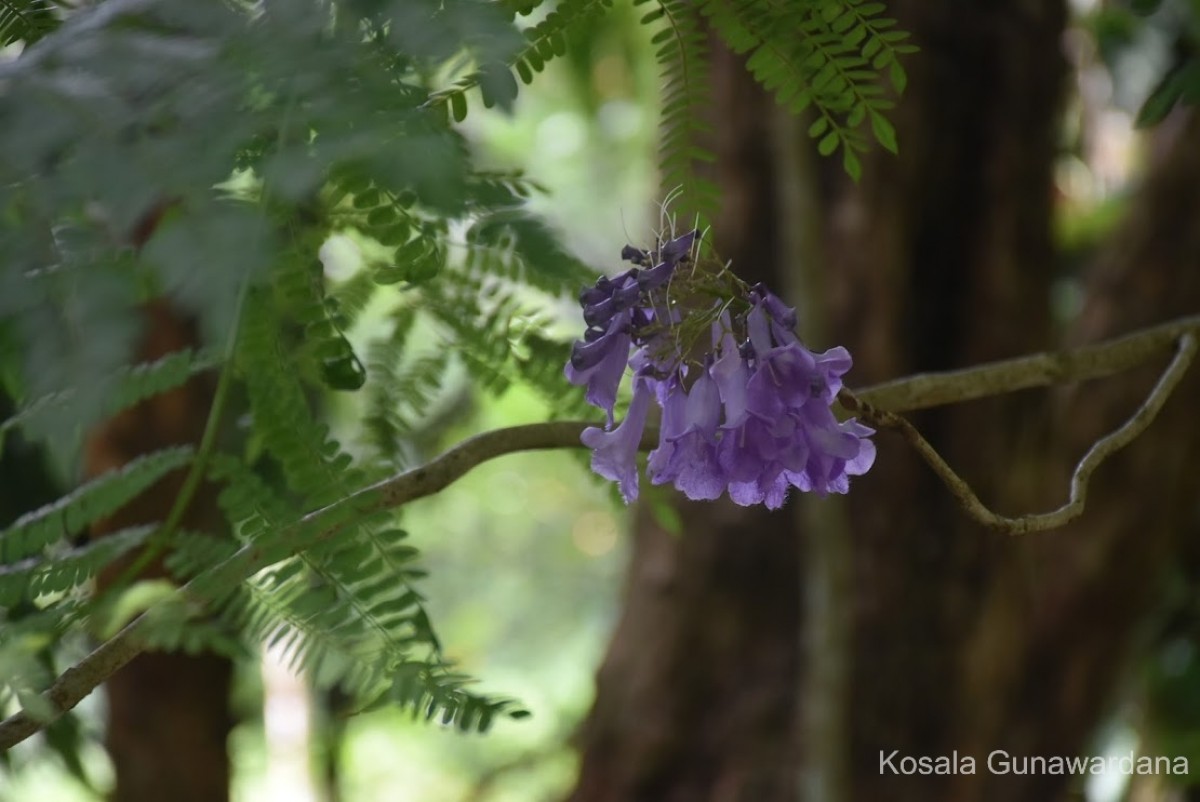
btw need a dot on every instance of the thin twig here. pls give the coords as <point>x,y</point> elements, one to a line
<point>1100,450</point>
<point>883,401</point>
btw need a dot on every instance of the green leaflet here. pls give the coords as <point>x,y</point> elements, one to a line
<point>544,41</point>
<point>27,20</point>
<point>34,576</point>
<point>824,56</point>
<point>95,500</point>
<point>130,386</point>
<point>682,53</point>
<point>344,607</point>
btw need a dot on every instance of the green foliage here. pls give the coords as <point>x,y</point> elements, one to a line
<point>129,386</point>
<point>681,52</point>
<point>1181,84</point>
<point>27,20</point>
<point>305,127</point>
<point>544,41</point>
<point>202,153</point>
<point>823,54</point>
<point>1129,28</point>
<point>826,55</point>
<point>66,570</point>
<point>97,499</point>
<point>402,403</point>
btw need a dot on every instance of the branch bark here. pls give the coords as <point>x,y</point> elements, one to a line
<point>888,399</point>
<point>1103,448</point>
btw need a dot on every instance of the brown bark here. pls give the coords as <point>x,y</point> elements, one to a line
<point>966,640</point>
<point>1104,586</point>
<point>168,714</point>
<point>961,639</point>
<point>696,692</point>
<point>946,261</point>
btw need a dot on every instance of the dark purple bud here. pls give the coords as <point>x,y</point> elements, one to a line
<point>622,289</point>
<point>635,255</point>
<point>675,250</point>
<point>626,296</point>
<point>655,277</point>
<point>588,355</point>
<point>590,296</point>
<point>600,313</point>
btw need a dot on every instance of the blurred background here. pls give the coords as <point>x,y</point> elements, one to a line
<point>766,657</point>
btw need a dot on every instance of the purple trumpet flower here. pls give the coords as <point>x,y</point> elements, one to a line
<point>614,309</point>
<point>600,364</point>
<point>751,416</point>
<point>614,453</point>
<point>687,450</point>
<point>782,431</point>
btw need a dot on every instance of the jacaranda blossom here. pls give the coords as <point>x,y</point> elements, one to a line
<point>614,453</point>
<point>746,407</point>
<point>687,450</point>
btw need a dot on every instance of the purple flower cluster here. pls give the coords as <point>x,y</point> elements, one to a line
<point>747,411</point>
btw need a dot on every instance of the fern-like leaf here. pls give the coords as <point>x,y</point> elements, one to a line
<point>400,396</point>
<point>61,572</point>
<point>345,609</point>
<point>544,41</point>
<point>97,499</point>
<point>129,386</point>
<point>27,20</point>
<point>823,54</point>
<point>300,287</point>
<point>681,50</point>
<point>509,243</point>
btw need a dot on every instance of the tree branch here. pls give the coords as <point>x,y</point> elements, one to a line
<point>924,390</point>
<point>881,401</point>
<point>1142,417</point>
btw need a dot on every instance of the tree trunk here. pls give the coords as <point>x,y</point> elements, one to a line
<point>922,632</point>
<point>945,259</point>
<point>168,714</point>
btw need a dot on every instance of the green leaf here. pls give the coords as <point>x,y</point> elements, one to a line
<point>458,106</point>
<point>856,116</point>
<point>525,73</point>
<point>851,164</point>
<point>381,216</point>
<point>93,501</point>
<point>898,76</point>
<point>885,134</point>
<point>843,23</point>
<point>1161,100</point>
<point>344,372</point>
<point>368,199</point>
<point>828,144</point>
